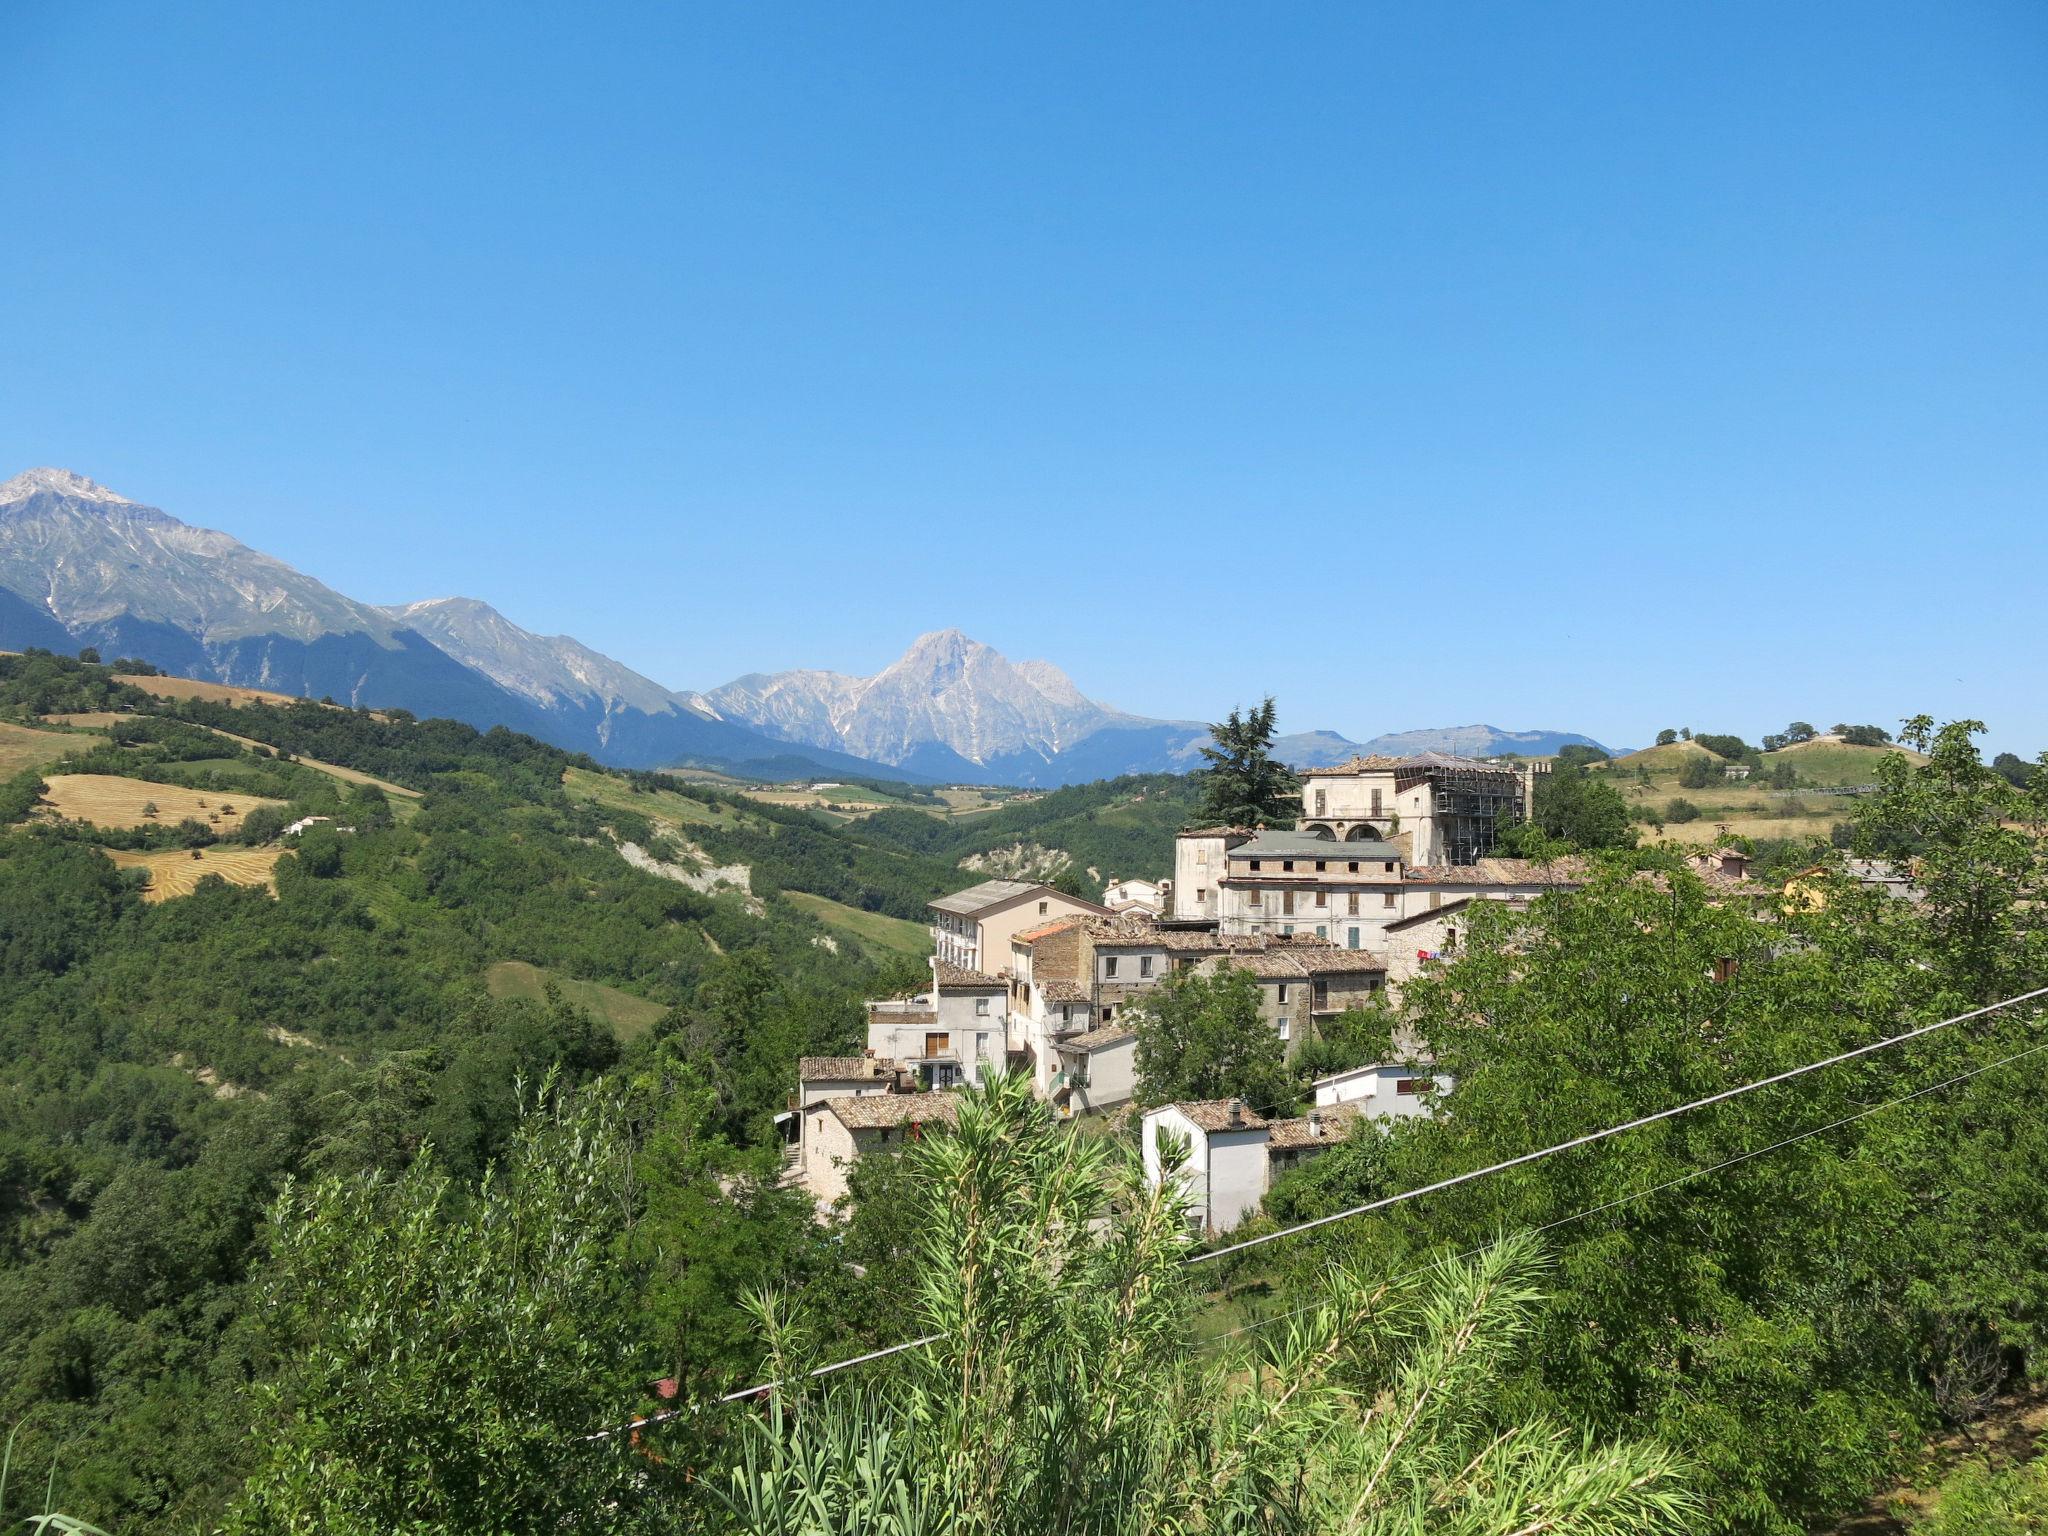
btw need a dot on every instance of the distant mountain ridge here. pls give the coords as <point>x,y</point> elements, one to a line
<point>953,708</point>
<point>83,565</point>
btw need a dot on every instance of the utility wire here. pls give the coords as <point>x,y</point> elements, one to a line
<point>1463,1178</point>
<point>1613,1130</point>
<point>1683,1178</point>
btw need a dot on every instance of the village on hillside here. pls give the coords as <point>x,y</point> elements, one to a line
<point>1371,887</point>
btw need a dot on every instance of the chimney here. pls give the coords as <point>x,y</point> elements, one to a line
<point>1237,1111</point>
<point>1315,1123</point>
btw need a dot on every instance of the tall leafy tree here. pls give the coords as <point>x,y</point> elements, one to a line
<point>449,1351</point>
<point>1244,784</point>
<point>1981,856</point>
<point>1201,1035</point>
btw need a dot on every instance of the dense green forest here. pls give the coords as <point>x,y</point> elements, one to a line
<point>301,1229</point>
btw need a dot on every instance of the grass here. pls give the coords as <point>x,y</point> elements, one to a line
<point>175,872</point>
<point>23,746</point>
<point>626,1015</point>
<point>105,800</point>
<point>192,688</point>
<point>1747,807</point>
<point>672,806</point>
<point>897,934</point>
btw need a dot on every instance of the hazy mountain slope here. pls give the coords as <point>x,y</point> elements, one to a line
<point>1476,741</point>
<point>83,565</point>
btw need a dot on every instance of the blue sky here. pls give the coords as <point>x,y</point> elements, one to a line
<point>1590,367</point>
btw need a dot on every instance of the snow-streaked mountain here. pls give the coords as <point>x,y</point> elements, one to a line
<point>946,691</point>
<point>953,708</point>
<point>90,557</point>
<point>83,565</point>
<point>551,670</point>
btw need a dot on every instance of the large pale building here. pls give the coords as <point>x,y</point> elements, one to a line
<point>1437,808</point>
<point>973,928</point>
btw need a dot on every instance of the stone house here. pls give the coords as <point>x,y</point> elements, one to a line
<point>839,1131</point>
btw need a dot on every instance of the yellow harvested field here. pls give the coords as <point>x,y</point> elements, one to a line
<point>177,871</point>
<point>109,801</point>
<point>23,746</point>
<point>218,693</point>
<point>91,717</point>
<point>192,688</point>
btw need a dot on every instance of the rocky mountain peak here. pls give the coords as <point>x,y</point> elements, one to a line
<point>49,480</point>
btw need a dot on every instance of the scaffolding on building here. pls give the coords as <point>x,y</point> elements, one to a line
<point>1469,802</point>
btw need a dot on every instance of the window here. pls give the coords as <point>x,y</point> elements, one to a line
<point>1319,994</point>
<point>1407,1085</point>
<point>1351,905</point>
<point>1109,966</point>
<point>1321,866</point>
<point>1287,902</point>
<point>1322,898</point>
<point>981,1007</point>
<point>1201,858</point>
<point>1354,866</point>
<point>1044,907</point>
<point>1255,864</point>
<point>1354,938</point>
<point>1389,899</point>
<point>1144,965</point>
<point>1390,868</point>
<point>1286,930</point>
<point>1282,1027</point>
<point>1281,992</point>
<point>1322,932</point>
<point>1287,866</point>
<point>1255,899</point>
<point>1376,802</point>
<point>1201,894</point>
<point>1322,802</point>
<point>937,1045</point>
<point>1107,1013</point>
<point>1436,899</point>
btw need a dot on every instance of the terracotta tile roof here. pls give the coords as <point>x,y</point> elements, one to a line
<point>892,1109</point>
<point>1063,991</point>
<point>1377,762</point>
<point>1338,962</point>
<point>1217,832</point>
<point>1336,1120</point>
<point>881,1015</point>
<point>812,1068</point>
<point>1448,909</point>
<point>1046,930</point>
<point>1571,870</point>
<point>1128,928</point>
<point>1097,1039</point>
<point>1214,1115</point>
<point>962,979</point>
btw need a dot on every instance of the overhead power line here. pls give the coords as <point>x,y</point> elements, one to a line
<point>1590,1137</point>
<point>1671,1183</point>
<point>1525,1158</point>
